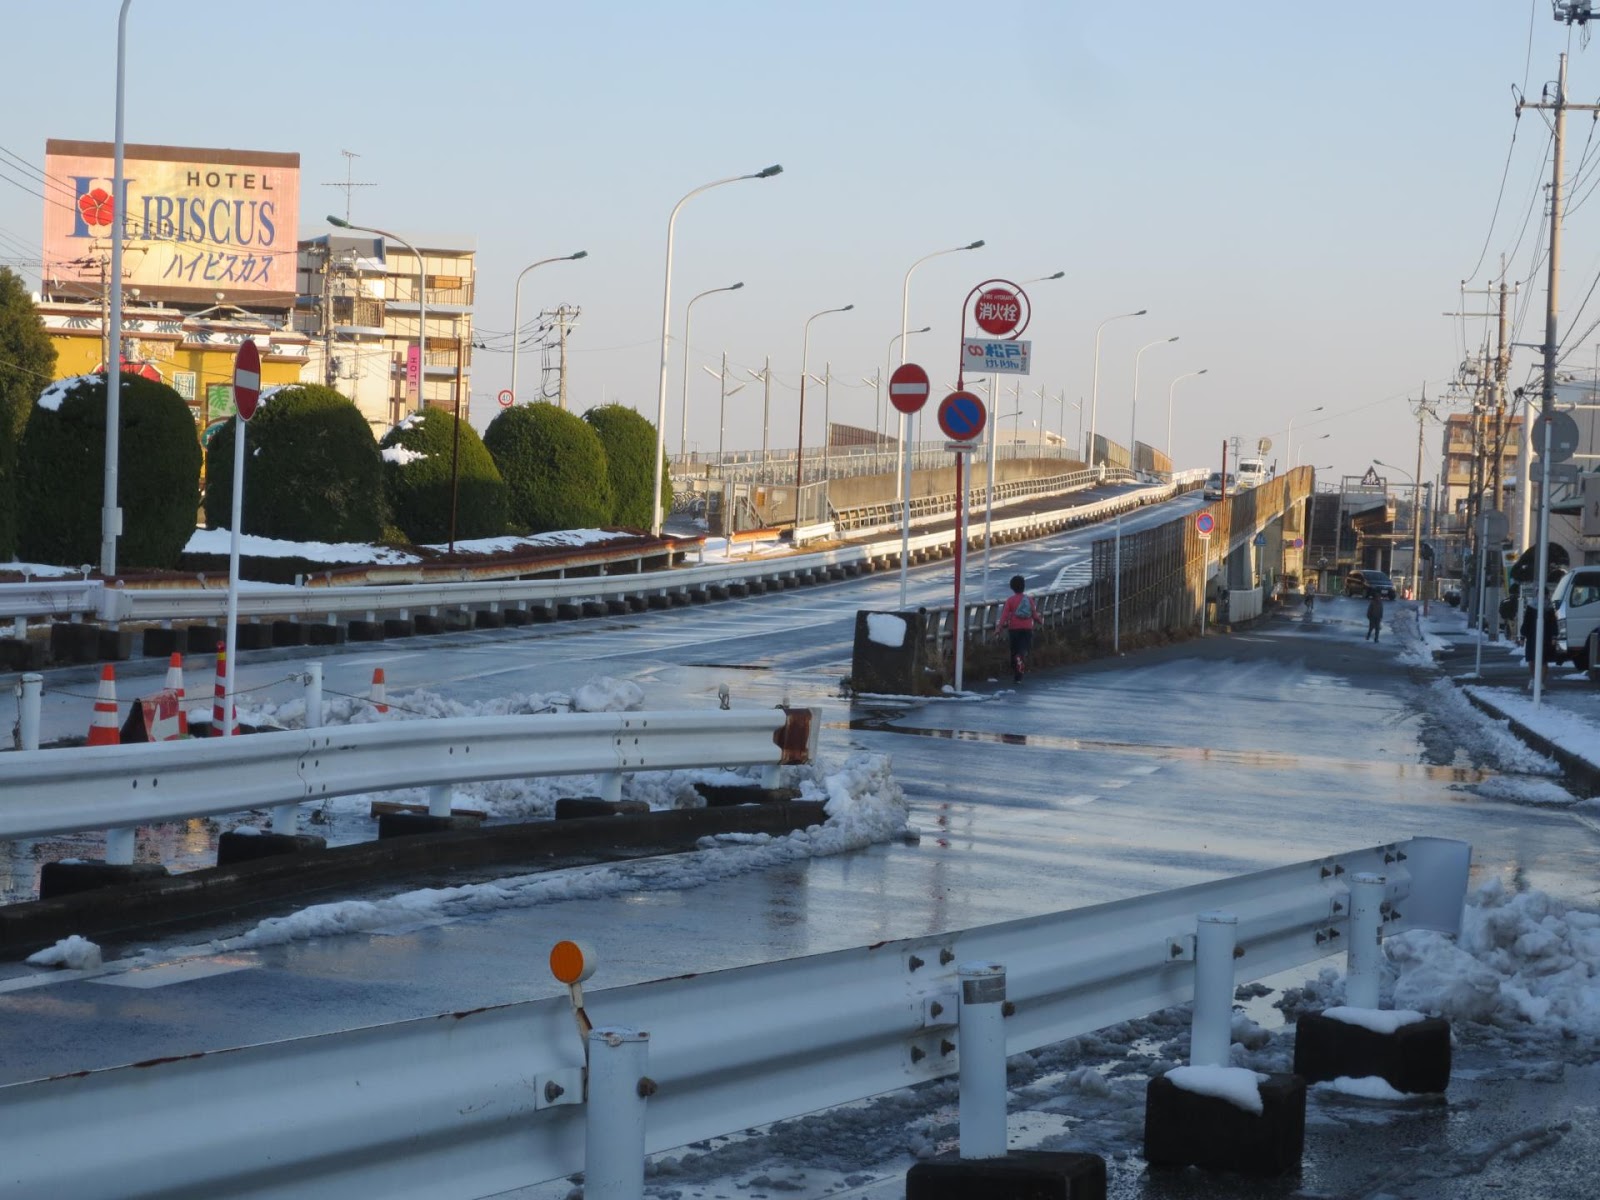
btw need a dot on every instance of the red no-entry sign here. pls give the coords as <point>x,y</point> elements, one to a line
<point>998,311</point>
<point>246,379</point>
<point>908,388</point>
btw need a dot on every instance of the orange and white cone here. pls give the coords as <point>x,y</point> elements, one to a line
<point>380,692</point>
<point>103,729</point>
<point>220,716</point>
<point>175,685</point>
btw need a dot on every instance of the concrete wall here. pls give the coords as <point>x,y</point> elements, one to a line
<point>860,490</point>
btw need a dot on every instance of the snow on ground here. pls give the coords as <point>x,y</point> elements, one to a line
<point>38,570</point>
<point>215,541</point>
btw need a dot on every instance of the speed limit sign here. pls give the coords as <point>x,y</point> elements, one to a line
<point>506,397</point>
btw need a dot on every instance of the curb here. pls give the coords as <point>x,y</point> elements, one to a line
<point>1575,769</point>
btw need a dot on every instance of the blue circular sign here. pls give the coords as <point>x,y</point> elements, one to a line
<point>1204,523</point>
<point>961,416</point>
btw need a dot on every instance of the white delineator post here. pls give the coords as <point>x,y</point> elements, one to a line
<point>983,1060</point>
<point>1211,1030</point>
<point>613,1152</point>
<point>1364,959</point>
<point>30,692</point>
<point>286,817</point>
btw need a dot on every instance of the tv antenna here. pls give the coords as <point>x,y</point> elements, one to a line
<point>349,185</point>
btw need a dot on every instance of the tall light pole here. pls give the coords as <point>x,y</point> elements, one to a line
<point>905,311</point>
<point>666,331</point>
<point>725,391</point>
<point>110,512</point>
<point>422,301</point>
<point>1170,388</point>
<point>1094,400</point>
<point>688,319</point>
<point>800,442</point>
<point>988,494</point>
<point>1288,440</point>
<point>1321,437</point>
<point>1416,527</point>
<point>516,311</point>
<point>1133,417</point>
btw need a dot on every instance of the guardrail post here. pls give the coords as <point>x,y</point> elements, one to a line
<point>119,846</point>
<point>19,628</point>
<point>1364,958</point>
<point>439,800</point>
<point>610,785</point>
<point>770,776</point>
<point>29,699</point>
<point>313,682</point>
<point>1211,1031</point>
<point>983,1060</point>
<point>613,1151</point>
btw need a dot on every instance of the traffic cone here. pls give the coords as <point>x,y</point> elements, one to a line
<point>379,691</point>
<point>220,716</point>
<point>103,729</point>
<point>175,685</point>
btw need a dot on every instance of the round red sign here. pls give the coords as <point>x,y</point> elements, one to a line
<point>998,311</point>
<point>506,397</point>
<point>246,379</point>
<point>908,388</point>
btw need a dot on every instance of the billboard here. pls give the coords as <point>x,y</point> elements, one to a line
<point>194,222</point>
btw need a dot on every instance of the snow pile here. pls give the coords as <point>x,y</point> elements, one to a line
<point>1367,1087</point>
<point>554,539</point>
<point>75,953</point>
<point>600,694</point>
<point>402,455</point>
<point>53,395</point>
<point>1485,739</point>
<point>864,805</point>
<point>1523,959</point>
<point>1378,1020</point>
<point>1238,1086</point>
<point>215,541</point>
<point>1568,730</point>
<point>886,629</point>
<point>37,570</point>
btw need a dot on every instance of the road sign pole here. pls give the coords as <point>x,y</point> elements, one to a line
<point>905,505</point>
<point>231,632</point>
<point>1477,664</point>
<point>1116,590</point>
<point>961,558</point>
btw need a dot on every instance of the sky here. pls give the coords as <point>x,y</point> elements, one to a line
<point>1296,194</point>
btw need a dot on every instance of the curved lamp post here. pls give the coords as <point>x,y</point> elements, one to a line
<point>1094,398</point>
<point>800,442</point>
<point>422,301</point>
<point>1170,389</point>
<point>110,513</point>
<point>1133,419</point>
<point>688,318</point>
<point>666,331</point>
<point>516,311</point>
<point>1288,440</point>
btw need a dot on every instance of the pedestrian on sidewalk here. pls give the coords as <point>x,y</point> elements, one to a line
<point>1374,616</point>
<point>1016,618</point>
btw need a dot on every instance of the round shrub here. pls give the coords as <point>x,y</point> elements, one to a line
<point>554,467</point>
<point>315,473</point>
<point>61,470</point>
<point>630,445</point>
<point>416,476</point>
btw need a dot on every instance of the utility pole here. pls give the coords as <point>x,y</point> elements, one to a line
<point>563,319</point>
<point>329,376</point>
<point>1416,506</point>
<point>105,317</point>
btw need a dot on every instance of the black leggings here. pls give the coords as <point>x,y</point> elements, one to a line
<point>1021,643</point>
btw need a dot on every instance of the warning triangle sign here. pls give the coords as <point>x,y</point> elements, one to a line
<point>1371,477</point>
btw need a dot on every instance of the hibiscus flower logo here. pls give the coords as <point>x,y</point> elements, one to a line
<point>96,207</point>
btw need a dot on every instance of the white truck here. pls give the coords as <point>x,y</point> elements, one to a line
<point>1252,473</point>
<point>1577,604</point>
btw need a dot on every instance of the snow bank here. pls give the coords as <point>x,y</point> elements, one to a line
<point>1379,1020</point>
<point>75,953</point>
<point>1239,1086</point>
<point>215,541</point>
<point>886,629</point>
<point>1368,1087</point>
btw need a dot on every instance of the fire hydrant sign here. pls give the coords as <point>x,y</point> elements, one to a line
<point>998,311</point>
<point>986,356</point>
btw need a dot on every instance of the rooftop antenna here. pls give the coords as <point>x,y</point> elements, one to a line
<point>349,185</point>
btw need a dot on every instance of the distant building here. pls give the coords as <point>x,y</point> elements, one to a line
<point>1462,443</point>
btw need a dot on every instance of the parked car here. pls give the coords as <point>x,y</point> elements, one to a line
<point>1361,583</point>
<point>1216,489</point>
<point>1577,605</point>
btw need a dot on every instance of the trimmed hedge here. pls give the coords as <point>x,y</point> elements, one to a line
<point>630,444</point>
<point>315,472</point>
<point>417,479</point>
<point>62,465</point>
<point>27,362</point>
<point>554,467</point>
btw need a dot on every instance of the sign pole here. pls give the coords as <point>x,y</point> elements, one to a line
<point>1477,663</point>
<point>246,394</point>
<point>908,392</point>
<point>961,559</point>
<point>1116,591</point>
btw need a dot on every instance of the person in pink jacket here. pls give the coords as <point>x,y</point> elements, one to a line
<point>1017,616</point>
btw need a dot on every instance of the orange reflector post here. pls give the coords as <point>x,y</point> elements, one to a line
<point>571,962</point>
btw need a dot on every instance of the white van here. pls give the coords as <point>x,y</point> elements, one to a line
<point>1252,473</point>
<point>1577,604</point>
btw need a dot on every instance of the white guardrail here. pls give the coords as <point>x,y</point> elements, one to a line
<point>119,787</point>
<point>45,597</point>
<point>155,604</point>
<point>474,1103</point>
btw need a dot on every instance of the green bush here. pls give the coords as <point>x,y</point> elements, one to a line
<point>27,362</point>
<point>62,466</point>
<point>554,467</point>
<point>315,473</point>
<point>630,444</point>
<point>416,475</point>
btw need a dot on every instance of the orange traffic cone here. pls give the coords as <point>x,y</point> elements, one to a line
<point>380,692</point>
<point>175,685</point>
<point>103,729</point>
<point>221,717</point>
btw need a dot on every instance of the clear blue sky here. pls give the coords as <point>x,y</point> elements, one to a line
<point>1296,193</point>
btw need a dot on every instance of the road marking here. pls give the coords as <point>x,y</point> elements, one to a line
<point>179,972</point>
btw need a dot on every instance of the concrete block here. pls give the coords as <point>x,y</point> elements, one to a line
<point>488,618</point>
<point>428,623</point>
<point>720,795</point>
<point>318,634</point>
<point>253,636</point>
<point>1019,1175</point>
<point>392,825</point>
<point>678,599</point>
<point>234,847</point>
<point>568,611</point>
<point>74,643</point>
<point>658,601</point>
<point>286,633</point>
<point>1414,1058</point>
<point>456,620</point>
<point>638,603</point>
<point>616,607</point>
<point>716,591</point>
<point>362,630</point>
<point>595,608</point>
<point>398,627</point>
<point>543,613</point>
<point>21,654</point>
<point>1186,1129</point>
<point>68,878</point>
<point>517,616</point>
<point>572,807</point>
<point>204,639</point>
<point>114,645</point>
<point>738,589</point>
<point>901,670</point>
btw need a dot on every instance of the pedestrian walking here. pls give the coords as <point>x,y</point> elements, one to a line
<point>1017,618</point>
<point>1374,615</point>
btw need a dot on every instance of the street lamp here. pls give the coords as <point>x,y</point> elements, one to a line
<point>666,332</point>
<point>1170,388</point>
<point>988,518</point>
<point>422,302</point>
<point>516,311</point>
<point>1321,437</point>
<point>688,319</point>
<point>1288,440</point>
<point>800,444</point>
<point>1094,402</point>
<point>890,358</point>
<point>1416,524</point>
<point>905,306</point>
<point>1133,420</point>
<point>110,513</point>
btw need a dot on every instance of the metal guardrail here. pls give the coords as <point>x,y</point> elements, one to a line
<point>118,787</point>
<point>887,515</point>
<point>483,1101</point>
<point>49,598</point>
